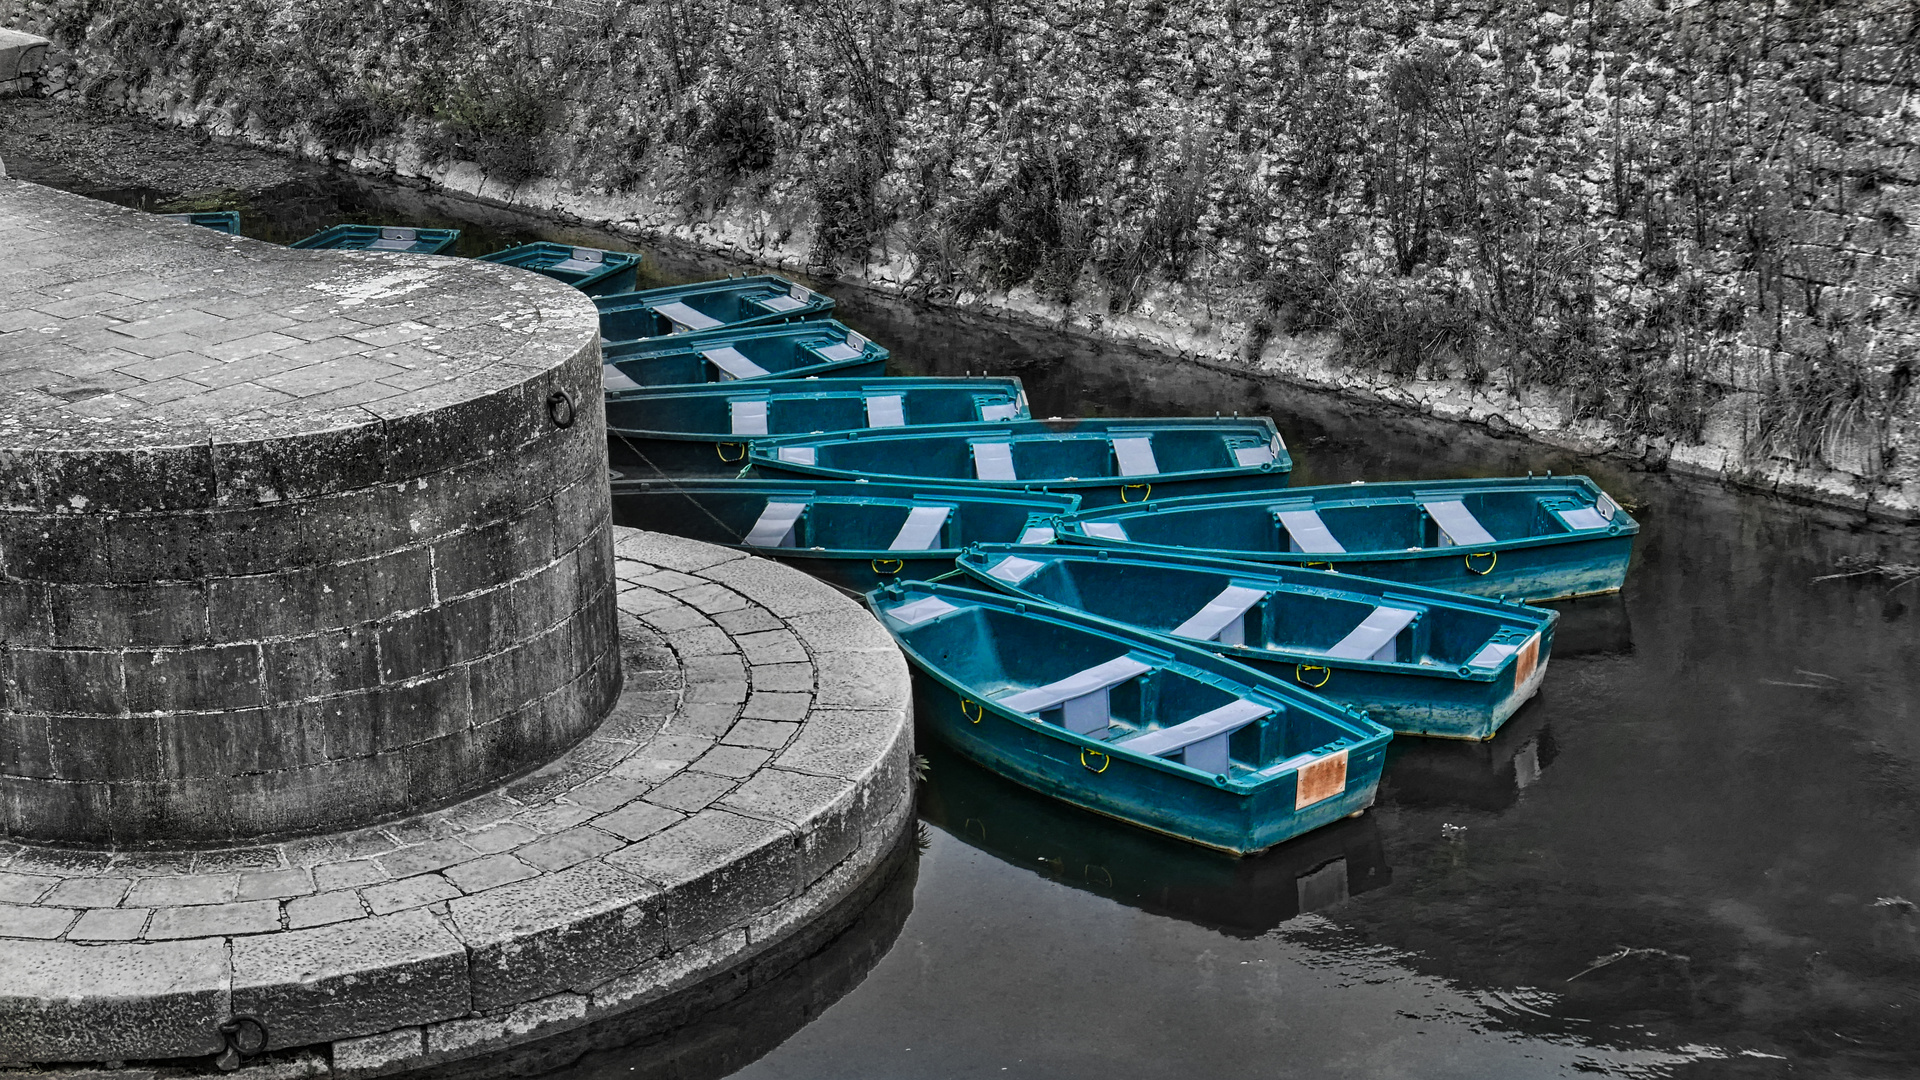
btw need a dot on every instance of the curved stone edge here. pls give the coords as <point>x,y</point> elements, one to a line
<point>734,876</point>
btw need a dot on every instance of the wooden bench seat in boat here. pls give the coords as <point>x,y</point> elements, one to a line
<point>1374,638</point>
<point>993,461</point>
<point>1013,569</point>
<point>1223,619</point>
<point>1134,455</point>
<point>733,363</point>
<point>612,378</point>
<point>1306,532</point>
<point>1082,696</point>
<point>921,530</point>
<point>792,300</point>
<point>581,260</point>
<point>853,346</point>
<point>747,417</point>
<point>886,410</point>
<point>1106,530</point>
<point>1202,741</point>
<point>774,528</point>
<point>799,455</point>
<point>685,318</point>
<point>1458,526</point>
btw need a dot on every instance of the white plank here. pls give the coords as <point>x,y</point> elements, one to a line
<point>1134,455</point>
<point>1013,569</point>
<point>922,528</point>
<point>931,607</point>
<point>1079,684</point>
<point>733,363</point>
<point>887,410</point>
<point>993,461</point>
<point>748,417</point>
<point>1006,410</point>
<point>775,526</point>
<point>1585,517</point>
<point>1374,636</point>
<point>799,455</point>
<point>1105,530</point>
<point>1308,533</point>
<point>686,318</point>
<point>1214,723</point>
<point>1219,614</point>
<point>1457,523</point>
<point>612,378</point>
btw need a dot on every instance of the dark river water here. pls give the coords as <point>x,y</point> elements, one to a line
<point>1693,854</point>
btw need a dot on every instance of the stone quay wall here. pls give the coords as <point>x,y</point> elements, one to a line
<point>1682,231</point>
<point>289,541</point>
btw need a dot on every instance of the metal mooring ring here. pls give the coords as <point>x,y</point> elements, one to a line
<point>246,1036</point>
<point>560,408</point>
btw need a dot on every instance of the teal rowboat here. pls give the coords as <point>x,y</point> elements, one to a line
<point>1421,661</point>
<point>380,238</point>
<point>709,305</point>
<point>594,271</point>
<point>1532,539</point>
<point>1067,845</point>
<point>686,361</point>
<point>226,221</point>
<point>1102,461</point>
<point>853,535</point>
<point>1129,724</point>
<point>705,430</point>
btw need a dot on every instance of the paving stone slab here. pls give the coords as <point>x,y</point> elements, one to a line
<point>652,855</point>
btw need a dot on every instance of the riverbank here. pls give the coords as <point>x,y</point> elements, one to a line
<point>179,162</point>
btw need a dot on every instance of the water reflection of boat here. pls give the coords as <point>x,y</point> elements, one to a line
<point>1593,626</point>
<point>1242,897</point>
<point>718,1027</point>
<point>1481,775</point>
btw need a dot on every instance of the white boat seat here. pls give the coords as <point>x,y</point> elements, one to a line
<point>852,348</point>
<point>929,607</point>
<point>1252,457</point>
<point>775,527</point>
<point>993,461</point>
<point>1037,534</point>
<point>1223,618</point>
<point>1105,530</point>
<point>748,417</point>
<point>798,455</point>
<point>612,378</point>
<point>886,410</point>
<point>1013,569</point>
<point>1585,517</point>
<point>792,300</point>
<point>1134,455</point>
<point>583,260</point>
<point>1306,532</point>
<point>1374,638</point>
<point>921,530</point>
<point>394,239</point>
<point>1457,524</point>
<point>1082,696</point>
<point>1495,653</point>
<point>733,364</point>
<point>1202,741</point>
<point>1006,410</point>
<point>685,318</point>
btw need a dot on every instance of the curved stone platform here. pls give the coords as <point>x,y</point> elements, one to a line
<point>754,772</point>
<point>289,540</point>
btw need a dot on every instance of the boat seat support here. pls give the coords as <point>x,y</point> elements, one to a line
<point>1374,638</point>
<point>1458,526</point>
<point>1306,532</point>
<point>775,526</point>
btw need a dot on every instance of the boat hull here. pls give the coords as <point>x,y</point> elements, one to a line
<point>1134,792</point>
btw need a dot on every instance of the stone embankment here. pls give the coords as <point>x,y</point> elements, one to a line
<point>1680,235</point>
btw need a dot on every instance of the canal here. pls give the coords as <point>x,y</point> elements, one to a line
<point>1695,853</point>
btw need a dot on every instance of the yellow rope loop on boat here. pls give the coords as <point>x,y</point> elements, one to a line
<point>974,716</point>
<point>1493,555</point>
<point>1146,488</point>
<point>1300,675</point>
<point>1317,565</point>
<point>1105,760</point>
<point>721,449</point>
<point>880,569</point>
